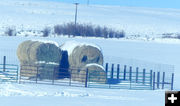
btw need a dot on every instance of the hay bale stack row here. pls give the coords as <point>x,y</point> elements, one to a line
<point>72,59</point>
<point>33,53</point>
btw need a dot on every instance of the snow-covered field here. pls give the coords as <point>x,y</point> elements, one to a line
<point>35,15</point>
<point>51,95</point>
<point>44,95</point>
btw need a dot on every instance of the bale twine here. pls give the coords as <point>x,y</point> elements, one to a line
<point>96,73</point>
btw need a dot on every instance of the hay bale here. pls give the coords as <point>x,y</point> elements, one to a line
<point>96,73</point>
<point>80,54</point>
<point>22,51</point>
<point>33,52</point>
<point>44,54</point>
<point>42,71</point>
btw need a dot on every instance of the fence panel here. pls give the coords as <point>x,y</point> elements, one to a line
<point>8,73</point>
<point>113,78</point>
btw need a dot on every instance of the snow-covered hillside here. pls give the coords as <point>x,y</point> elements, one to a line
<point>34,14</point>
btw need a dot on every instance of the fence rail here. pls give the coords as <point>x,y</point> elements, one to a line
<point>8,73</point>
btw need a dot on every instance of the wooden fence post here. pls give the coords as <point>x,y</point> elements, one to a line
<point>137,74</point>
<point>124,72</point>
<point>118,70</point>
<point>154,76</point>
<point>144,75</point>
<point>4,63</point>
<point>172,81</point>
<point>158,79</point>
<point>163,80</point>
<point>112,71</point>
<point>151,78</point>
<point>86,81</point>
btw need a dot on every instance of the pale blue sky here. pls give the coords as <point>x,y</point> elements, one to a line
<point>134,3</point>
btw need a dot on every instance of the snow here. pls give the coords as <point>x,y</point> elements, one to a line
<point>43,62</point>
<point>36,15</point>
<point>52,95</point>
<point>148,51</point>
<point>46,41</point>
<point>95,64</point>
<point>69,46</point>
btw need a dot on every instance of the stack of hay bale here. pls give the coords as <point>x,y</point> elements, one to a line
<point>72,59</point>
<point>83,57</point>
<point>45,55</point>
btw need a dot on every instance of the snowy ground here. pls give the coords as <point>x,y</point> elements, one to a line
<point>47,95</point>
<point>51,95</point>
<point>35,15</point>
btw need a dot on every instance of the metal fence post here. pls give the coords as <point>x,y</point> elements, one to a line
<point>137,74</point>
<point>151,78</point>
<point>172,81</point>
<point>37,74</point>
<point>118,70</point>
<point>86,81</point>
<point>112,71</point>
<point>144,75</point>
<point>130,73</point>
<point>53,75</point>
<point>106,68</point>
<point>163,80</point>
<point>124,72</point>
<point>130,76</point>
<point>154,76</point>
<point>20,74</point>
<point>17,76</point>
<point>158,79</point>
<point>4,63</point>
<point>70,77</point>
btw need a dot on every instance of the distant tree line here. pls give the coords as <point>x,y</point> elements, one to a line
<point>87,30</point>
<point>70,29</point>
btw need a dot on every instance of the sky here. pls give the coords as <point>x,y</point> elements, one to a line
<point>133,3</point>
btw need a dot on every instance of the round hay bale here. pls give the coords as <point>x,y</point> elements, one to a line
<point>38,53</point>
<point>96,73</point>
<point>33,52</point>
<point>80,54</point>
<point>46,52</point>
<point>85,54</point>
<point>22,51</point>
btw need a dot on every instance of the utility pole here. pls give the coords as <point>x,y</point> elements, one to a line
<point>76,13</point>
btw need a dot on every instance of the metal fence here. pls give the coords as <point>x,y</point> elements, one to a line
<point>8,73</point>
<point>114,78</point>
<point>138,78</point>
